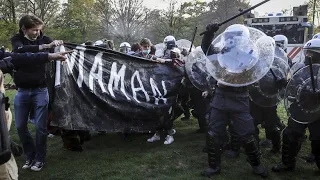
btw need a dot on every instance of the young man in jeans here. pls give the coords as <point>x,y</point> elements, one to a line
<point>32,90</point>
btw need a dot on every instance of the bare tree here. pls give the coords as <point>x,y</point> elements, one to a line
<point>103,10</point>
<point>127,20</point>
<point>221,10</point>
<point>8,10</point>
<point>46,10</point>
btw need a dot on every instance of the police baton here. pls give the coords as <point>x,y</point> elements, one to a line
<point>240,14</point>
<point>193,37</point>
<point>311,75</point>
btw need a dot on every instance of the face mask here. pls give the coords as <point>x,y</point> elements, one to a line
<point>29,38</point>
<point>146,51</point>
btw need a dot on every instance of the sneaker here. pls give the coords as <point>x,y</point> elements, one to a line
<point>27,165</point>
<point>169,139</point>
<point>154,138</point>
<point>37,166</point>
<point>50,135</point>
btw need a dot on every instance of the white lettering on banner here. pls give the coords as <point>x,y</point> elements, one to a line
<point>156,92</point>
<point>136,75</point>
<point>164,88</point>
<point>97,76</point>
<point>72,61</point>
<point>115,78</point>
<point>73,55</point>
<point>81,61</point>
<point>96,73</point>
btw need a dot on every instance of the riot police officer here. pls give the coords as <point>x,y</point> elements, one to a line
<point>230,104</point>
<point>293,134</point>
<point>125,47</point>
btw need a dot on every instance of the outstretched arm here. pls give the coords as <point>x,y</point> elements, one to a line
<point>208,38</point>
<point>10,60</point>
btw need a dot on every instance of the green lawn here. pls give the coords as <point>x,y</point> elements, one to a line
<point>109,157</point>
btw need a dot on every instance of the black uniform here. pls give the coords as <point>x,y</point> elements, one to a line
<point>270,118</point>
<point>293,136</point>
<point>229,105</point>
<point>199,104</point>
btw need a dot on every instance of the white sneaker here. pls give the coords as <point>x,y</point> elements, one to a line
<point>51,135</point>
<point>169,139</point>
<point>154,138</point>
<point>27,165</point>
<point>37,166</point>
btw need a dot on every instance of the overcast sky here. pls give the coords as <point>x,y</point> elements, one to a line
<point>271,6</point>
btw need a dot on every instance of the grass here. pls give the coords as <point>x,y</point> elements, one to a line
<point>109,157</point>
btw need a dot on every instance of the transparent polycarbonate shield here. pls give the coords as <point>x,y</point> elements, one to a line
<point>302,96</point>
<point>240,59</point>
<point>269,90</point>
<point>159,49</point>
<point>184,44</point>
<point>280,53</point>
<point>196,70</point>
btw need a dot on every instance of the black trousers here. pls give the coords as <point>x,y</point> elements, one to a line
<point>292,139</point>
<point>270,118</point>
<point>200,106</point>
<point>233,108</point>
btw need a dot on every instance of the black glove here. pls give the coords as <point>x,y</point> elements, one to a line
<point>281,83</point>
<point>184,52</point>
<point>212,28</point>
<point>6,66</point>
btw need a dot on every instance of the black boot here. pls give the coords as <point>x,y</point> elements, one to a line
<point>276,141</point>
<point>253,152</point>
<point>214,157</point>
<point>290,149</point>
<point>315,145</point>
<point>234,150</point>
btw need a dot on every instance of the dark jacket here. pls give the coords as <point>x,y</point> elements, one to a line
<point>140,54</point>
<point>29,76</point>
<point>22,59</point>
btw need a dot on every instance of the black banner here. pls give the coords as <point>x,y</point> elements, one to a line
<point>104,90</point>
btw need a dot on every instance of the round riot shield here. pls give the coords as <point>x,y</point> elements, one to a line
<point>196,70</point>
<point>184,44</point>
<point>302,96</point>
<point>280,53</point>
<point>297,66</point>
<point>240,57</point>
<point>159,49</point>
<point>269,90</point>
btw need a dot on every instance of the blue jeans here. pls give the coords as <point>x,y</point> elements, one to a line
<point>23,101</point>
